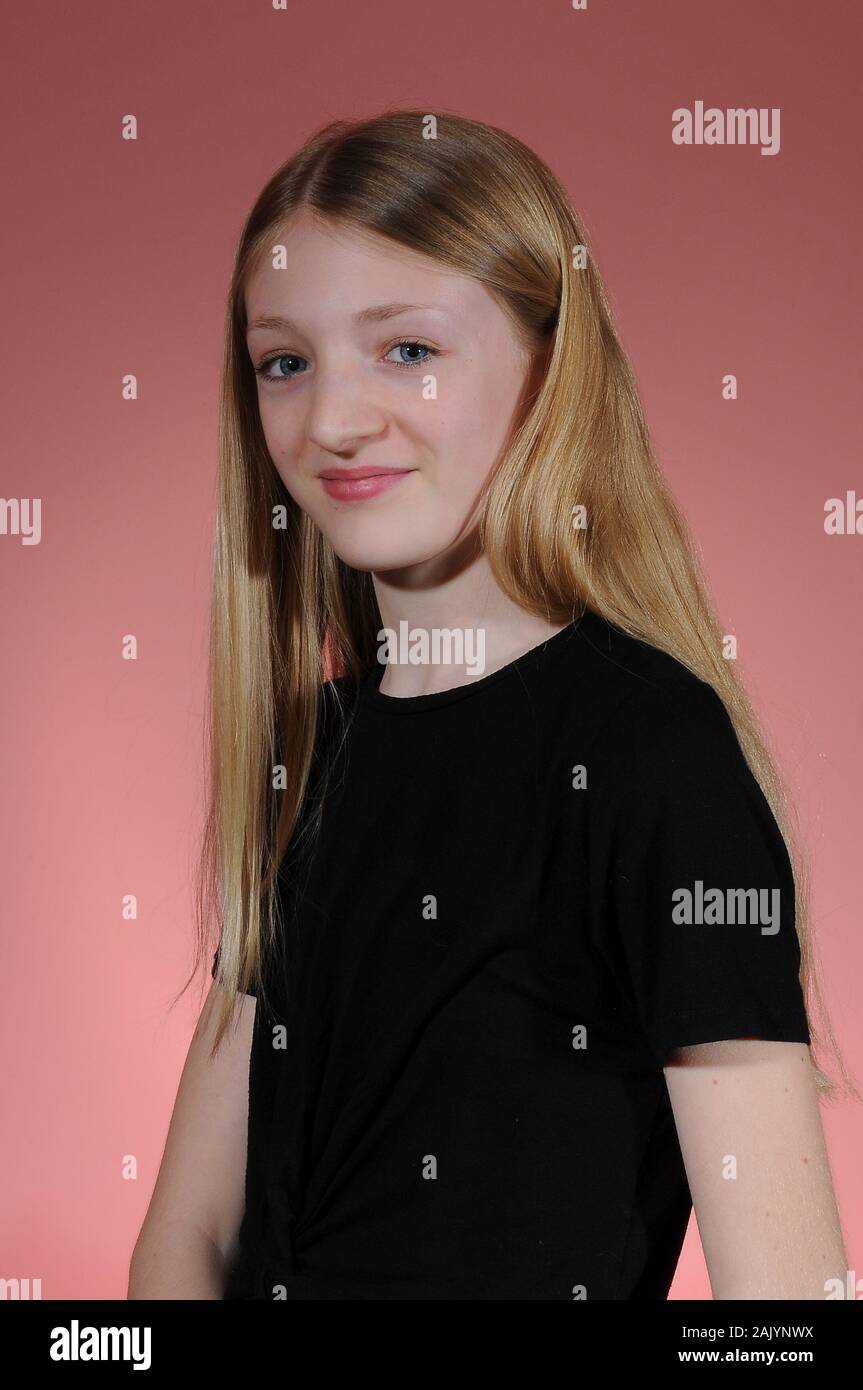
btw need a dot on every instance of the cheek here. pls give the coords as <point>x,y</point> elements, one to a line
<point>470,438</point>
<point>281,436</point>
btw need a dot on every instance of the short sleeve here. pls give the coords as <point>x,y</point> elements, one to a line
<point>251,991</point>
<point>692,884</point>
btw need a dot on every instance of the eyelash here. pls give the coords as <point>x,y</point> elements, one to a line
<point>261,369</point>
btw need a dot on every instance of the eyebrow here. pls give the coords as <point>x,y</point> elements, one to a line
<point>376,313</point>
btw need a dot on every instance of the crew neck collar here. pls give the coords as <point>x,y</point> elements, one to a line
<point>589,624</point>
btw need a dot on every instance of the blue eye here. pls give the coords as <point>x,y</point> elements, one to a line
<point>410,343</point>
<point>263,369</point>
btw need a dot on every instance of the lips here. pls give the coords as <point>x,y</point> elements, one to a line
<point>356,484</point>
<point>355,474</point>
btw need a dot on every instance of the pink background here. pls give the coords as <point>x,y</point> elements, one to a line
<point>116,256</point>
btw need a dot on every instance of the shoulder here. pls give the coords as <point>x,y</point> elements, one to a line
<point>635,697</point>
<point>337,696</point>
<point>336,708</point>
<point>336,687</point>
<point>663,752</point>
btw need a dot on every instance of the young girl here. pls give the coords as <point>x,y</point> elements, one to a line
<point>513,959</point>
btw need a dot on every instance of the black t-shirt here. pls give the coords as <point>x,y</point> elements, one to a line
<point>527,889</point>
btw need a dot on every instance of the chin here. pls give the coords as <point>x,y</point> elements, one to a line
<point>391,550</point>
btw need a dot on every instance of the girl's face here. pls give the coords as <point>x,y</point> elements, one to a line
<point>373,358</point>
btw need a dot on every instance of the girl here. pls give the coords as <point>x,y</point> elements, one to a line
<point>513,959</point>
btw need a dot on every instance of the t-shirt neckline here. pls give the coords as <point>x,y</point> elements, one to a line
<point>370,694</point>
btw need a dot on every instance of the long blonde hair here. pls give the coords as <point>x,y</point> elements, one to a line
<point>477,200</point>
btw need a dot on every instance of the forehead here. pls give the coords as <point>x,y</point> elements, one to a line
<point>332,272</point>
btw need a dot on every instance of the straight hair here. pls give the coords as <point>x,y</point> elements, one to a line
<point>285,608</point>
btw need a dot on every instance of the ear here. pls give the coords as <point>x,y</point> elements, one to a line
<point>538,368</point>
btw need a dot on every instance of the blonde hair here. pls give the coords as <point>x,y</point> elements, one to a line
<point>477,200</point>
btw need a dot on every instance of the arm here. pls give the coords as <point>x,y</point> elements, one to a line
<point>773,1231</point>
<point>189,1236</point>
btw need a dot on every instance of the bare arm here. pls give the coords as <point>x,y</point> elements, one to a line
<point>750,1107</point>
<point>189,1236</point>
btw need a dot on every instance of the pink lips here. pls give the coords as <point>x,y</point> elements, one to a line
<point>353,486</point>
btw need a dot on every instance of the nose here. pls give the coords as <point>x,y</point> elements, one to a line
<point>343,412</point>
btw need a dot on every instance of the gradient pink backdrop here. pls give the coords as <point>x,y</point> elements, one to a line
<point>116,259</point>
